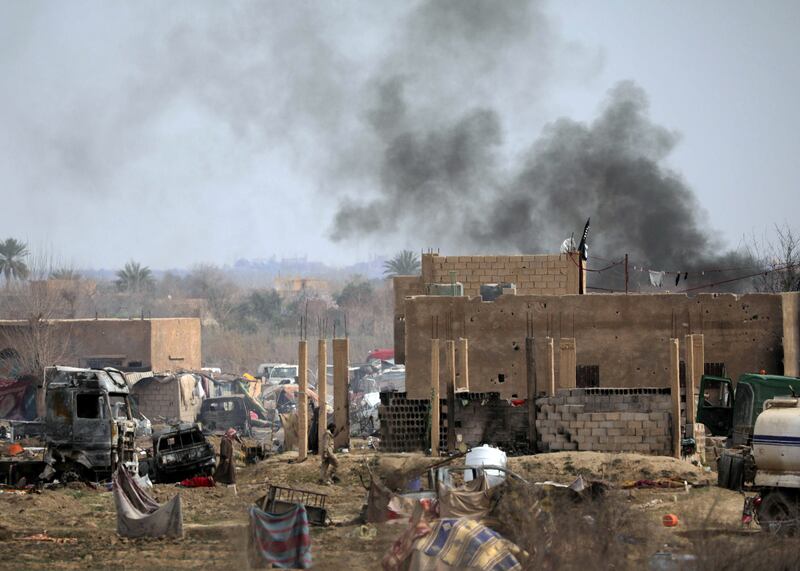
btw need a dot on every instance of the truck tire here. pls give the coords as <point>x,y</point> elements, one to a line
<point>723,471</point>
<point>778,513</point>
<point>736,473</point>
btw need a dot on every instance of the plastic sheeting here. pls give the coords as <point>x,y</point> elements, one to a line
<point>139,515</point>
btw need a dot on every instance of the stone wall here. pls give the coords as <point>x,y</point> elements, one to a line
<point>162,401</point>
<point>606,420</point>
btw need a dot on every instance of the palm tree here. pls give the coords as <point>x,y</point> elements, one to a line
<point>65,274</point>
<point>134,277</point>
<point>11,253</point>
<point>406,263</point>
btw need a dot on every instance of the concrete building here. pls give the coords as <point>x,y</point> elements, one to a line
<point>598,358</point>
<point>169,398</point>
<point>161,345</point>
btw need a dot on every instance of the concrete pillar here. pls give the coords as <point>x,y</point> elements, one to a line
<point>567,363</point>
<point>549,367</point>
<point>302,400</point>
<point>530,370</point>
<point>462,377</point>
<point>691,384</point>
<point>675,391</point>
<point>450,358</point>
<point>435,405</point>
<point>790,308</point>
<point>322,391</point>
<point>341,392</point>
<point>699,358</point>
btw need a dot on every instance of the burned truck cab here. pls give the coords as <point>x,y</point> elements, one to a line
<point>89,428</point>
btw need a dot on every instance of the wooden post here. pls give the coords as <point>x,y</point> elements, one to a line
<point>302,400</point>
<point>675,391</point>
<point>567,363</point>
<point>530,369</point>
<point>462,378</point>
<point>691,402</point>
<point>322,391</point>
<point>435,405</point>
<point>450,350</point>
<point>549,367</point>
<point>341,392</point>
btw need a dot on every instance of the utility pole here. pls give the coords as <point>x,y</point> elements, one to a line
<point>626,273</point>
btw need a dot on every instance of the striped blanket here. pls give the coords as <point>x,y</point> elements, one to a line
<point>461,544</point>
<point>282,540</point>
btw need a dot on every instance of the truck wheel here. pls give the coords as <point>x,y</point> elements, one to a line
<point>723,471</point>
<point>736,474</point>
<point>778,513</point>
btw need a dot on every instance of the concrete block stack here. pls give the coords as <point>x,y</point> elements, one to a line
<point>405,423</point>
<point>606,420</point>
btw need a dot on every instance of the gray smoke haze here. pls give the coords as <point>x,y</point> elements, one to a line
<point>446,178</point>
<point>280,125</point>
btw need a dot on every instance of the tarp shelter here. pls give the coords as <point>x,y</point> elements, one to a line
<point>139,515</point>
<point>17,399</point>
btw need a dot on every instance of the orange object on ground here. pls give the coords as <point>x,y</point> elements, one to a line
<point>15,449</point>
<point>669,520</point>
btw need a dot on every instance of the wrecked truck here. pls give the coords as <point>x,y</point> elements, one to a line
<point>88,426</point>
<point>180,451</point>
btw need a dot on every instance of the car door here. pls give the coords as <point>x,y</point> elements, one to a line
<point>715,404</point>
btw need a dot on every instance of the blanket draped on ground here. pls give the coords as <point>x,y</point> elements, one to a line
<point>282,540</point>
<point>450,544</point>
<point>139,515</point>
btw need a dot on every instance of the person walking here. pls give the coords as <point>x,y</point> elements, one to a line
<point>329,459</point>
<point>226,468</point>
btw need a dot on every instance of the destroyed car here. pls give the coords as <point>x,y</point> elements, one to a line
<point>88,425</point>
<point>179,452</point>
<point>221,413</point>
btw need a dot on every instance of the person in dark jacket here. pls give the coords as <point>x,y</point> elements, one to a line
<point>226,468</point>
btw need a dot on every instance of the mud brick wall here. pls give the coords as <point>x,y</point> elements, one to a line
<point>483,418</point>
<point>554,274</point>
<point>606,420</point>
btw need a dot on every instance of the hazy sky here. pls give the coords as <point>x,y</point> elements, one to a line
<point>184,132</point>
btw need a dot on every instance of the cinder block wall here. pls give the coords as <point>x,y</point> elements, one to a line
<point>606,420</point>
<point>554,274</point>
<point>163,401</point>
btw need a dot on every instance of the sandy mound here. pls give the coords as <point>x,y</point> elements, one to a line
<point>613,467</point>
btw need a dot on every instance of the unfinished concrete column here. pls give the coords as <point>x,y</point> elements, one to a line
<point>567,363</point>
<point>791,334</point>
<point>675,391</point>
<point>530,370</point>
<point>549,367</point>
<point>699,358</point>
<point>322,391</point>
<point>435,405</point>
<point>688,348</point>
<point>462,377</point>
<point>341,392</point>
<point>302,400</point>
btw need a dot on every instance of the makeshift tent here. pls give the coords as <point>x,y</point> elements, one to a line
<point>17,399</point>
<point>139,515</point>
<point>473,500</point>
<point>281,540</point>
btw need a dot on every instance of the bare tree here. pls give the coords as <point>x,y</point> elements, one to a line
<point>780,257</point>
<point>34,339</point>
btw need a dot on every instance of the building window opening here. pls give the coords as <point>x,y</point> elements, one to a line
<point>501,378</point>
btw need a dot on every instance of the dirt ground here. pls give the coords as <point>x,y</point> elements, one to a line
<point>215,519</point>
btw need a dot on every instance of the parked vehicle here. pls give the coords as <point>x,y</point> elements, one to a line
<point>218,414</point>
<point>179,452</point>
<point>88,425</point>
<point>761,418</point>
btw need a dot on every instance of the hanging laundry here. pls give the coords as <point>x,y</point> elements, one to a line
<point>677,279</point>
<point>656,278</point>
